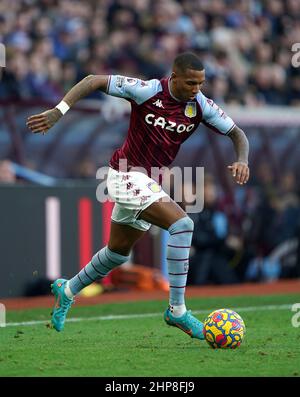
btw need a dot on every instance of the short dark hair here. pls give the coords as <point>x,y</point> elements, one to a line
<point>187,60</point>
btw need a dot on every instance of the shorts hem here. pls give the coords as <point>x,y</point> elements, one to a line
<point>133,225</point>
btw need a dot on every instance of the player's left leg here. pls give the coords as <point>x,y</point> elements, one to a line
<point>171,217</point>
<point>122,238</point>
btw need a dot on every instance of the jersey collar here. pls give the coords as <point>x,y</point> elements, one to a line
<point>170,92</point>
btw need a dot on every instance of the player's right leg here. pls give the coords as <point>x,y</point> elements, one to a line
<point>169,216</point>
<point>122,239</point>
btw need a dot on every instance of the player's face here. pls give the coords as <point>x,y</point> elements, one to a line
<point>185,85</point>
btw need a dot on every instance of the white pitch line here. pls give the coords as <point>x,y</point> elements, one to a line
<point>131,316</point>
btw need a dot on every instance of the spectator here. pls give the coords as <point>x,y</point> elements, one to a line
<point>245,49</point>
<point>7,174</point>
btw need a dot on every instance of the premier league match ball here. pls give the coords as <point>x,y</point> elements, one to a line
<point>224,328</point>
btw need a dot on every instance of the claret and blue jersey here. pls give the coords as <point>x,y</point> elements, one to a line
<point>159,123</point>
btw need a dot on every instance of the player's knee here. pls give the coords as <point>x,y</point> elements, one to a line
<point>183,224</point>
<point>188,223</point>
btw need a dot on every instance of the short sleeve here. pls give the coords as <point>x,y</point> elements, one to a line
<point>214,117</point>
<point>132,88</point>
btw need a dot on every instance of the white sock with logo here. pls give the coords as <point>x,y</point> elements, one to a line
<point>68,291</point>
<point>177,311</point>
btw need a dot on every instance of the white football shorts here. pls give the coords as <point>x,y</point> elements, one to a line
<point>132,193</point>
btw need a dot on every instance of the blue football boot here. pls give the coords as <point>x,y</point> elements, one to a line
<point>187,323</point>
<point>62,304</point>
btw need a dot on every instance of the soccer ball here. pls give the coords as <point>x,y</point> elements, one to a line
<point>224,328</point>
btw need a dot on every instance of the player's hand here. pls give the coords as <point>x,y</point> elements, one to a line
<point>240,172</point>
<point>42,122</point>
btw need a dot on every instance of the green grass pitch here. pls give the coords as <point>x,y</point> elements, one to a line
<point>131,339</point>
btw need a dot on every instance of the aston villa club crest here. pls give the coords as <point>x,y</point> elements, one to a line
<point>190,109</point>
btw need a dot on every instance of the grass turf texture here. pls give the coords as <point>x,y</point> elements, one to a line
<point>146,346</point>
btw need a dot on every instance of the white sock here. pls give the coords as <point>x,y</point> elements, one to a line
<point>177,311</point>
<point>68,291</point>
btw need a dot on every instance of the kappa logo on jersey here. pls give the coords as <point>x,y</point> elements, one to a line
<point>167,124</point>
<point>190,109</point>
<point>158,103</point>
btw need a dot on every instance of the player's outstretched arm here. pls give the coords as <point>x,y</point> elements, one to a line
<point>240,169</point>
<point>42,122</point>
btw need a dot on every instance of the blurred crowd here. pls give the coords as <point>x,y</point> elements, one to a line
<point>7,174</point>
<point>245,45</point>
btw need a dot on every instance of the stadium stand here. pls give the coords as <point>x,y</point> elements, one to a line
<point>246,50</point>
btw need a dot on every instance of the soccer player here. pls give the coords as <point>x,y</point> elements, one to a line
<point>164,113</point>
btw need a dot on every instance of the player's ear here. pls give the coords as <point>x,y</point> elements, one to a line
<point>173,75</point>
